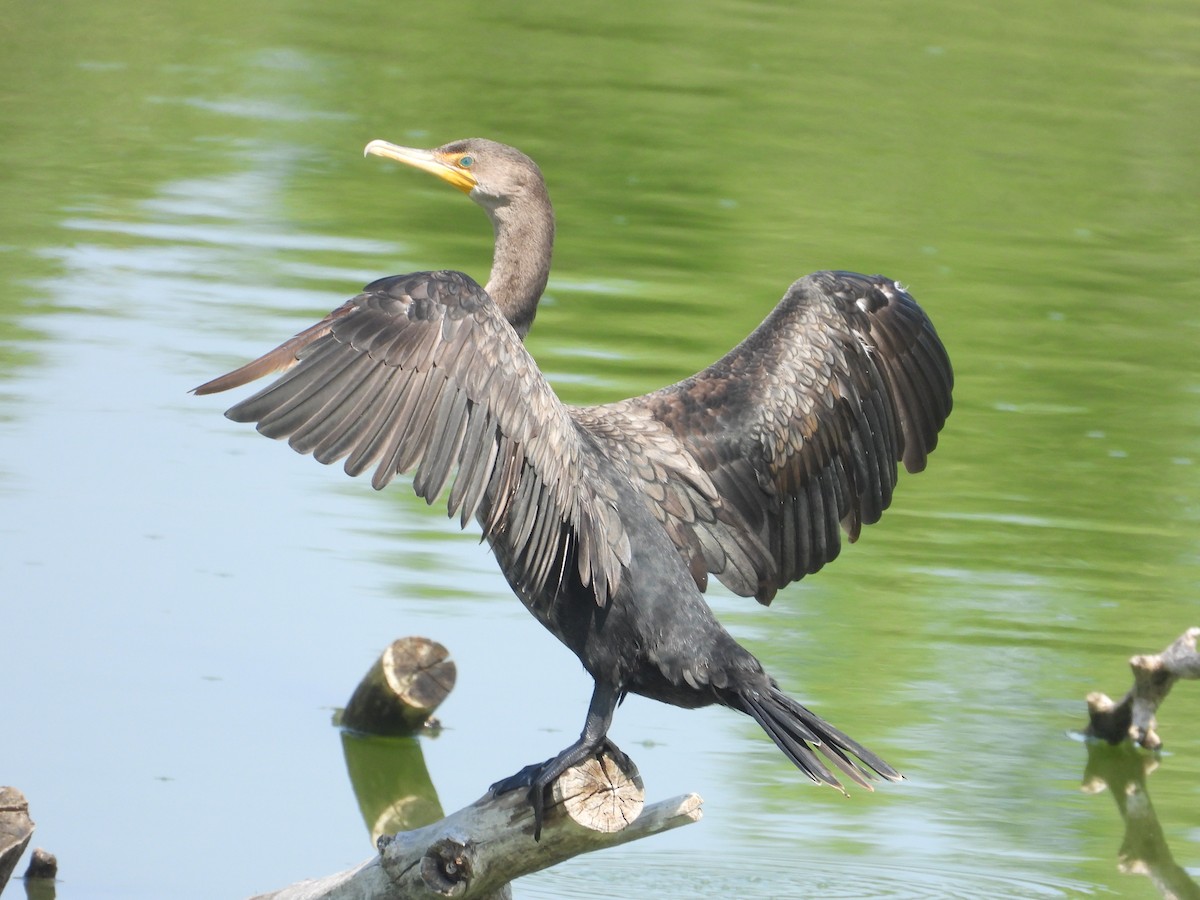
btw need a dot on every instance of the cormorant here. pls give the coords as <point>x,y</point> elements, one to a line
<point>607,520</point>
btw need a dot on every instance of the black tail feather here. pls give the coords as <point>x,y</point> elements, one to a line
<point>794,728</point>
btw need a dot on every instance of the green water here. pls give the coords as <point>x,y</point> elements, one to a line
<point>182,603</point>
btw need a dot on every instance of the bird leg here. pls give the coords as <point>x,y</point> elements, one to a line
<point>593,741</point>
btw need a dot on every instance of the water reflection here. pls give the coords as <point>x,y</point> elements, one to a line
<point>793,874</point>
<point>1124,771</point>
<point>391,782</point>
<point>40,889</point>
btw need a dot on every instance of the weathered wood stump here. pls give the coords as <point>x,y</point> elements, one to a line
<point>401,691</point>
<point>477,851</point>
<point>40,876</point>
<point>16,828</point>
<point>1153,677</point>
<point>42,864</point>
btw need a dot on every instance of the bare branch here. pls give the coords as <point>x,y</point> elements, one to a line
<point>1153,677</point>
<point>477,851</point>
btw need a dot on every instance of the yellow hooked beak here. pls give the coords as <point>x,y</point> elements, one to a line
<point>447,168</point>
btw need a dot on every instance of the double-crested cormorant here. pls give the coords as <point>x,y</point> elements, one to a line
<point>607,520</point>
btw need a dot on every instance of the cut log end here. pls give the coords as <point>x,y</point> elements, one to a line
<point>604,794</point>
<point>402,689</point>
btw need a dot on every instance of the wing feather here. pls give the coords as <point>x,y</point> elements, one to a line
<point>390,415</point>
<point>421,373</point>
<point>353,390</point>
<point>796,432</point>
<point>753,466</point>
<point>367,412</point>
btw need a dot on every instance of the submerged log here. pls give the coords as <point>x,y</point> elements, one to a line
<point>16,828</point>
<point>1153,677</point>
<point>477,851</point>
<point>401,691</point>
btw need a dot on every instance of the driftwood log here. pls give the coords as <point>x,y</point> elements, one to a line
<point>16,828</point>
<point>400,692</point>
<point>477,851</point>
<point>1153,677</point>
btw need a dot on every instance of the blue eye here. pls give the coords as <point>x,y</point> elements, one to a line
<point>466,162</point>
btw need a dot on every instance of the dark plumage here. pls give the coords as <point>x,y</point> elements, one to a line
<point>607,520</point>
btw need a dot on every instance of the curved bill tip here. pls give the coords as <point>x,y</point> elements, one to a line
<point>390,150</point>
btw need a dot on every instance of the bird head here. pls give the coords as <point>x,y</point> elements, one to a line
<point>490,173</point>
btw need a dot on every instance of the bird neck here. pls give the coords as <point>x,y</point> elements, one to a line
<point>521,262</point>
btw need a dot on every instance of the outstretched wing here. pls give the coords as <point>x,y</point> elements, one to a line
<point>795,431</point>
<point>422,373</point>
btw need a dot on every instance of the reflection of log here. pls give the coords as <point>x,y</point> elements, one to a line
<point>1153,677</point>
<point>391,782</point>
<point>16,828</point>
<point>477,851</point>
<point>402,689</point>
<point>1144,851</point>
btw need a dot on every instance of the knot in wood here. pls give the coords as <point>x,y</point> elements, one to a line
<point>446,868</point>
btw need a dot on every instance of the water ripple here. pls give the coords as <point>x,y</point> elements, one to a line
<point>789,877</point>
